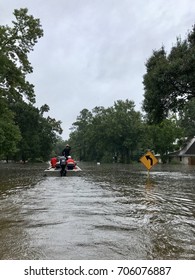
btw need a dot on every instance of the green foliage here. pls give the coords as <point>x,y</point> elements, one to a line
<point>156,87</point>
<point>187,119</point>
<point>164,136</point>
<point>120,130</point>
<point>9,132</point>
<point>58,147</point>
<point>15,44</point>
<point>170,80</point>
<point>102,133</point>
<point>48,127</point>
<point>80,136</point>
<point>170,89</point>
<point>24,131</point>
<point>38,133</point>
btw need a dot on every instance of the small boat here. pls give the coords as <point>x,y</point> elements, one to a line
<point>50,171</point>
<point>71,170</point>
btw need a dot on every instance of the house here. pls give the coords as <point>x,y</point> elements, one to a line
<point>186,155</point>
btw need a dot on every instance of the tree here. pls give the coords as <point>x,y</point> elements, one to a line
<point>187,119</point>
<point>156,88</point>
<point>128,128</point>
<point>9,132</point>
<point>24,127</point>
<point>169,82</point>
<point>105,132</point>
<point>15,44</point>
<point>58,147</point>
<point>48,127</point>
<point>38,133</point>
<point>80,134</point>
<point>164,135</point>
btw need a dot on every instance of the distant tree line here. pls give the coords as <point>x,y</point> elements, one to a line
<point>120,133</point>
<point>24,132</point>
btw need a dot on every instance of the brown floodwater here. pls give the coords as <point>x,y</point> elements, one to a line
<point>109,211</point>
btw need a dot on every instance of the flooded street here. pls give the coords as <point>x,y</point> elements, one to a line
<point>108,212</point>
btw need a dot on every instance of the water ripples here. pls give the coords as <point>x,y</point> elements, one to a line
<point>110,212</point>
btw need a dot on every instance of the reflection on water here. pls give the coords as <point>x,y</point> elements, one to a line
<point>110,212</point>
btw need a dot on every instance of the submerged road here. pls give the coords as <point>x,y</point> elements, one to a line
<point>109,212</point>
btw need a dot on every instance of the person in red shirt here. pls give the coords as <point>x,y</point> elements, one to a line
<point>53,162</point>
<point>70,163</point>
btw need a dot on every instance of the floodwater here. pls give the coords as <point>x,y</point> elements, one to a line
<point>109,211</point>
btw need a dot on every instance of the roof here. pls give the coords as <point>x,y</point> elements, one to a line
<point>188,150</point>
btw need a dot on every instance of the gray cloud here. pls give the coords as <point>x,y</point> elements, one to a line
<point>94,52</point>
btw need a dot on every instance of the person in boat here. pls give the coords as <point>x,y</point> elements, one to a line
<point>63,166</point>
<point>66,151</point>
<point>53,162</point>
<point>70,163</point>
<point>58,162</point>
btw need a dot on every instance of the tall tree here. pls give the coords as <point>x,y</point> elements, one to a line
<point>24,125</point>
<point>38,133</point>
<point>169,81</point>
<point>105,132</point>
<point>125,128</point>
<point>80,134</point>
<point>15,45</point>
<point>156,88</point>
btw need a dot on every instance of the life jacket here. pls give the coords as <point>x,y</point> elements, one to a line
<point>53,162</point>
<point>70,163</point>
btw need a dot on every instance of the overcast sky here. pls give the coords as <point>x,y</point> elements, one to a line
<point>94,51</point>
